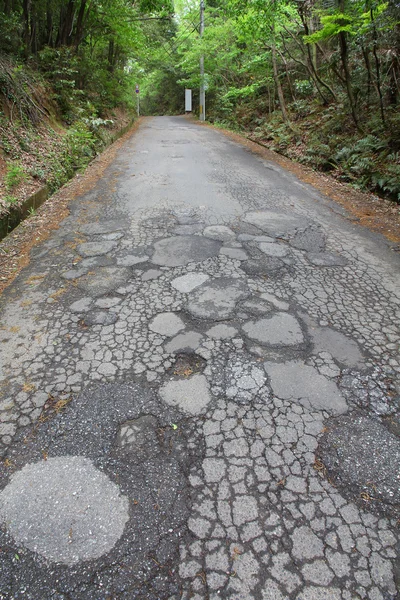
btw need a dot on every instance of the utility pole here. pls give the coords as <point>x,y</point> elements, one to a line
<point>137,100</point>
<point>202,90</point>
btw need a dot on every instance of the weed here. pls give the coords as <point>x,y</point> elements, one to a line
<point>37,173</point>
<point>10,200</point>
<point>15,175</point>
<point>31,211</point>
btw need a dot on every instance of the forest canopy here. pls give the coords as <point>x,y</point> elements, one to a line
<point>316,80</point>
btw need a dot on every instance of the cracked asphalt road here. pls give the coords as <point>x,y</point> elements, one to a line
<point>200,389</point>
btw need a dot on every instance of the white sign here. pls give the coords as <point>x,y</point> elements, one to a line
<point>188,100</point>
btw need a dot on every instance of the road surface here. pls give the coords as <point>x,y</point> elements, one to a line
<point>200,388</point>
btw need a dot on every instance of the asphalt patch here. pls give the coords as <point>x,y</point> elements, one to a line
<point>362,458</point>
<point>149,470</point>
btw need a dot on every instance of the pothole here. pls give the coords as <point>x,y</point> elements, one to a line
<point>188,363</point>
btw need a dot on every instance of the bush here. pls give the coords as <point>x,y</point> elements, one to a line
<point>78,147</point>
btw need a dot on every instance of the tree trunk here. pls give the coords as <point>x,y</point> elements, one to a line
<point>344,55</point>
<point>377,66</point>
<point>7,8</point>
<point>111,55</point>
<point>26,10</point>
<point>79,24</point>
<point>312,61</point>
<point>66,24</point>
<point>365,52</point>
<point>33,42</point>
<point>277,82</point>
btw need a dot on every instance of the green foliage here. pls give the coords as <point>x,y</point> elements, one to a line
<point>359,159</point>
<point>10,200</point>
<point>59,66</point>
<point>15,175</point>
<point>78,147</point>
<point>304,87</point>
<point>10,33</point>
<point>332,26</point>
<point>37,173</point>
<point>389,181</point>
<point>335,72</point>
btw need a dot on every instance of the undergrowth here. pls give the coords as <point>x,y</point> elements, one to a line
<point>47,132</point>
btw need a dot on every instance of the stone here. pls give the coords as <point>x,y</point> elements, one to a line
<point>190,281</point>
<point>129,260</point>
<point>39,399</point>
<point>382,573</point>
<point>107,369</point>
<point>222,332</point>
<point>277,302</point>
<point>246,237</point>
<point>326,259</point>
<point>138,433</point>
<point>306,544</point>
<point>190,340</point>
<point>89,249</point>
<point>100,317</point>
<point>264,238</point>
<point>271,591</point>
<point>7,429</point>
<point>167,323</point>
<point>151,274</point>
<point>216,300</point>
<point>112,236</point>
<point>362,456</point>
<point>281,329</point>
<point>200,527</point>
<point>269,249</point>
<point>219,232</point>
<point>339,563</point>
<point>104,280</point>
<point>342,348</point>
<point>295,381</point>
<point>192,395</point>
<point>320,593</point>
<point>317,572</point>
<point>64,509</point>
<point>234,253</point>
<point>266,266</point>
<point>311,239</point>
<point>275,223</point>
<point>244,509</point>
<point>188,229</point>
<point>81,306</point>
<point>189,570</point>
<point>296,484</point>
<point>214,469</point>
<point>101,227</point>
<point>256,306</point>
<point>108,302</point>
<point>95,261</point>
<point>74,273</point>
<point>282,573</point>
<point>181,250</point>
